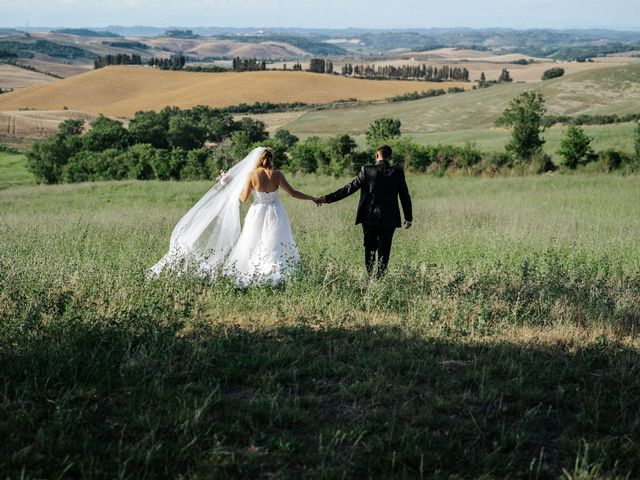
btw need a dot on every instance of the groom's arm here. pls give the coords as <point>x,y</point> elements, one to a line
<point>405,199</point>
<point>348,189</point>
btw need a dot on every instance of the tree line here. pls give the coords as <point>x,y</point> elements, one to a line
<point>126,44</point>
<point>198,143</point>
<point>407,72</point>
<point>589,119</point>
<point>117,59</point>
<point>175,62</point>
<point>24,66</point>
<point>505,76</point>
<point>248,64</point>
<point>320,65</point>
<point>27,49</point>
<point>172,144</point>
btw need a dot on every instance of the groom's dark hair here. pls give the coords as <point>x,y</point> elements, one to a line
<point>385,151</point>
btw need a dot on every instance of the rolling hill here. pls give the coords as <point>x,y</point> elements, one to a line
<point>491,65</point>
<point>202,48</point>
<point>70,45</point>
<point>122,91</point>
<point>69,52</point>
<point>15,77</point>
<point>36,124</point>
<point>602,91</point>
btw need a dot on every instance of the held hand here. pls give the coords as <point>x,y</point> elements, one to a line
<point>319,201</point>
<point>407,224</point>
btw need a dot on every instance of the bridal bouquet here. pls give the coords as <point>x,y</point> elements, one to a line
<point>224,178</point>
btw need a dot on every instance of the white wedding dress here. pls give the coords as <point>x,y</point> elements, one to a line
<point>208,240</point>
<point>265,251</point>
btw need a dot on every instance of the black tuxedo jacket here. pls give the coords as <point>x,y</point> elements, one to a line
<point>380,186</point>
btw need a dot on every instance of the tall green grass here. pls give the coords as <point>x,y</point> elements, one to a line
<point>442,368</point>
<point>605,91</point>
<point>604,137</point>
<point>13,170</point>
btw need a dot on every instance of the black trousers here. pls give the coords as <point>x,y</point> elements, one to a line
<point>377,242</point>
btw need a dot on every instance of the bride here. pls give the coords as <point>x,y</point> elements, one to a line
<point>208,239</point>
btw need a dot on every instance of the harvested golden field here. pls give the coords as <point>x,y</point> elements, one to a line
<point>15,77</point>
<point>528,73</point>
<point>122,91</point>
<point>61,69</point>
<point>36,124</point>
<point>452,54</point>
<point>491,65</point>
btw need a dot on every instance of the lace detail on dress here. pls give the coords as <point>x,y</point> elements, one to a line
<point>265,197</point>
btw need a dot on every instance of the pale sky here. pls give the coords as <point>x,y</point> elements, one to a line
<point>616,14</point>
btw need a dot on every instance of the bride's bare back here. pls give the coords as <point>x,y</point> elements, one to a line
<point>269,180</point>
<point>265,180</point>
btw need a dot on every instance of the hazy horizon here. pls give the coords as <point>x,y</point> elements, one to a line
<point>325,14</point>
<point>277,27</point>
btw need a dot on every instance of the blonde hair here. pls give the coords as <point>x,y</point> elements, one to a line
<point>266,159</point>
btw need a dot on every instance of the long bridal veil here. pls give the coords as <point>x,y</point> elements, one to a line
<point>205,234</point>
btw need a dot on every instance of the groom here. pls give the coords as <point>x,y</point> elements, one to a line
<point>380,186</point>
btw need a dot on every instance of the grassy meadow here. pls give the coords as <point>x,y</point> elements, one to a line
<point>617,136</point>
<point>501,344</point>
<point>605,91</point>
<point>13,170</point>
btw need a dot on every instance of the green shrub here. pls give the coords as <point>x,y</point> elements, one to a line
<point>104,134</point>
<point>86,166</point>
<point>358,160</point>
<point>612,159</point>
<point>525,117</point>
<point>6,149</point>
<point>383,130</point>
<point>444,155</point>
<point>491,164</point>
<point>339,150</point>
<point>195,167</point>
<point>71,127</point>
<point>234,148</point>
<point>47,157</point>
<point>552,73</point>
<point>150,127</point>
<point>499,159</point>
<point>164,164</point>
<point>410,155</point>
<point>140,161</point>
<point>540,163</point>
<point>220,158</point>
<point>469,155</point>
<point>184,133</point>
<point>308,156</point>
<point>286,137</point>
<point>575,147</point>
<point>636,143</point>
<point>218,125</point>
<point>255,129</point>
<point>241,144</point>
